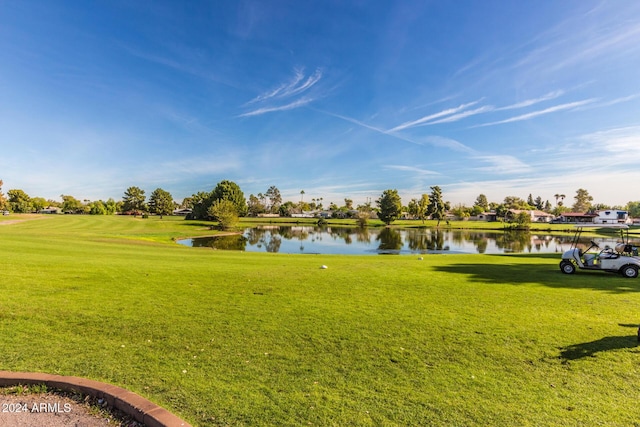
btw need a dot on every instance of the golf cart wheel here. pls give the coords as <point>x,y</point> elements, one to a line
<point>567,267</point>
<point>629,271</point>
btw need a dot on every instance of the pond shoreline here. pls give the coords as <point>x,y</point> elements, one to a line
<point>345,240</point>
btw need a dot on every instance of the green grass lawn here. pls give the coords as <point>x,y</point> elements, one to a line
<point>234,338</point>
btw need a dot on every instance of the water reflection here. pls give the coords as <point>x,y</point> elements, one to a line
<point>352,240</point>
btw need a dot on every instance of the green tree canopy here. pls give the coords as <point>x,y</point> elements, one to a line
<point>418,208</point>
<point>225,212</point>
<point>229,190</point>
<point>111,206</point>
<point>38,203</point>
<point>133,200</point>
<point>522,219</point>
<point>482,202</point>
<point>437,206</point>
<point>582,201</point>
<point>71,204</point>
<point>19,201</point>
<point>97,208</point>
<point>390,206</point>
<point>275,199</point>
<point>632,207</point>
<point>200,204</point>
<point>161,202</point>
<point>513,202</point>
<point>255,206</point>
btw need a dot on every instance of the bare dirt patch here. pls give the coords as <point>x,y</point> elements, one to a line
<point>23,218</point>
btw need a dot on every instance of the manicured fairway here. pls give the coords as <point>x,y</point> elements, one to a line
<point>231,338</point>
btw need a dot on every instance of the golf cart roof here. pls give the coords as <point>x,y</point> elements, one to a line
<point>619,226</point>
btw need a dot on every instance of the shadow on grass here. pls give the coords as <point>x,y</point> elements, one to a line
<point>516,272</point>
<point>589,349</point>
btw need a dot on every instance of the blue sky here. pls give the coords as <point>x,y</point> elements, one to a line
<point>336,98</point>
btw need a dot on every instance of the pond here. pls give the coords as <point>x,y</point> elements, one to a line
<point>359,241</point>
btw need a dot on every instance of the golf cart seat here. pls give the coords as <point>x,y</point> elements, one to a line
<point>608,253</point>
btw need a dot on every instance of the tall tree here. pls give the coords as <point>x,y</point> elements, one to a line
<point>522,219</point>
<point>97,208</point>
<point>161,202</point>
<point>19,201</point>
<point>513,202</point>
<point>634,209</point>
<point>482,201</point>
<point>111,206</point>
<point>582,201</point>
<point>255,206</point>
<point>412,208</point>
<point>134,200</point>
<point>200,204</point>
<point>538,203</point>
<point>225,212</point>
<point>390,206</point>
<point>419,208</point>
<point>229,190</point>
<point>437,206</point>
<point>71,204</point>
<point>275,199</point>
<point>38,203</point>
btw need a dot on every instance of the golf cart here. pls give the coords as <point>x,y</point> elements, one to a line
<point>623,258</point>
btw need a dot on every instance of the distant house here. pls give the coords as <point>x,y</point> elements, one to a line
<point>535,215</point>
<point>577,217</point>
<point>612,216</point>
<point>487,216</point>
<point>49,210</point>
<point>303,215</point>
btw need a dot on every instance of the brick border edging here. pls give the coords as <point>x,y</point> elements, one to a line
<point>141,409</point>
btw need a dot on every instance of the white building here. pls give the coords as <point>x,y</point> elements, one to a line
<point>612,216</point>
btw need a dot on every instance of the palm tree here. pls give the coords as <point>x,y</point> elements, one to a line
<point>301,195</point>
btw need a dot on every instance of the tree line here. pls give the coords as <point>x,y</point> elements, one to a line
<point>226,203</point>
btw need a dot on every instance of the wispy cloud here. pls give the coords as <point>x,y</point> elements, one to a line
<point>617,101</point>
<point>460,116</point>
<point>440,141</point>
<point>299,75</point>
<point>359,123</point>
<point>620,145</point>
<point>533,114</point>
<point>530,102</point>
<point>501,164</point>
<point>625,38</point>
<point>417,170</point>
<point>596,36</point>
<point>432,117</point>
<point>297,85</point>
<point>430,140</point>
<point>311,80</point>
<point>290,106</point>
